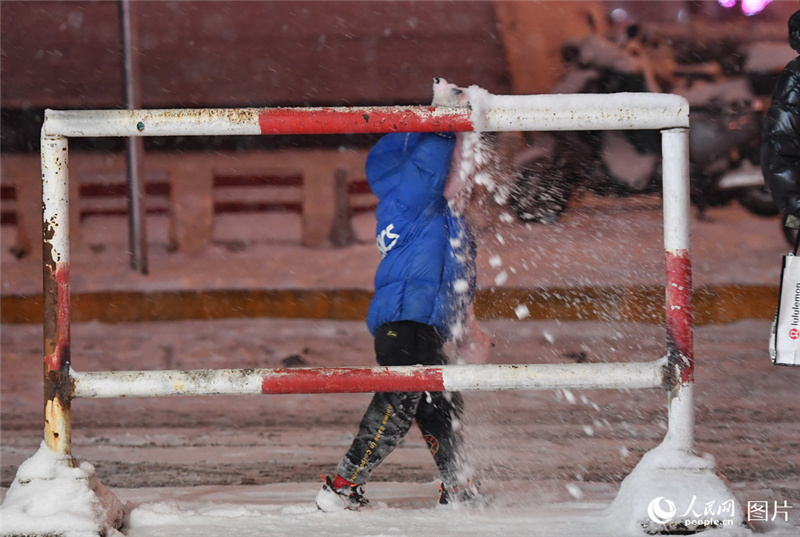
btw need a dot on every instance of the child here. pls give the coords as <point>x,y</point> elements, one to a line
<point>424,287</point>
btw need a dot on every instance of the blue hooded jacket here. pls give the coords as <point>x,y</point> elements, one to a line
<point>427,270</point>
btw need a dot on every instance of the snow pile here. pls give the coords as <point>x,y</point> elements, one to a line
<point>48,496</point>
<point>676,490</point>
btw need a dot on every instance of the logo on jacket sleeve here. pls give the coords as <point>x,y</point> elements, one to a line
<point>384,236</point>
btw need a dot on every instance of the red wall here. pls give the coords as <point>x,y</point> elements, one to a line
<point>230,53</point>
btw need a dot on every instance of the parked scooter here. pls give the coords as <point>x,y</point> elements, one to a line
<point>724,136</point>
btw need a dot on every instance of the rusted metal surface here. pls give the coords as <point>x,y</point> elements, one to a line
<point>364,120</point>
<point>56,312</point>
<point>182,122</point>
<point>494,113</point>
<point>244,121</point>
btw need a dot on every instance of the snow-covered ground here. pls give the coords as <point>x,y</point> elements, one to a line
<point>552,461</point>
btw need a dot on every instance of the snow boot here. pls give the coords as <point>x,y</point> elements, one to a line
<point>466,495</point>
<point>350,497</point>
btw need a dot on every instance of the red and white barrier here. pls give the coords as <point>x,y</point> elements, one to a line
<point>494,113</point>
<point>368,379</point>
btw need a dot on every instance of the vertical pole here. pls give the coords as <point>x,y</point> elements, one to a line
<point>56,326</point>
<point>137,211</point>
<point>679,316</point>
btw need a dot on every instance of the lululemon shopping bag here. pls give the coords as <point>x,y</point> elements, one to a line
<point>784,347</point>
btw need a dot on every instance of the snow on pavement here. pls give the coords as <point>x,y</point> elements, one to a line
<point>553,461</point>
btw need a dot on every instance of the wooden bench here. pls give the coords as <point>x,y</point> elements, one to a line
<point>8,205</point>
<point>362,200</point>
<point>258,193</point>
<point>107,194</point>
<point>192,188</point>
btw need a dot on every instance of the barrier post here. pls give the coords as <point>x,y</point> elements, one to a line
<point>55,299</point>
<point>679,316</point>
<point>671,472</point>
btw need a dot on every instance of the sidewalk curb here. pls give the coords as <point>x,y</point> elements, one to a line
<point>713,304</point>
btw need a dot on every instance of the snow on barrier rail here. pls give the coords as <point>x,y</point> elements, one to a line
<point>494,113</point>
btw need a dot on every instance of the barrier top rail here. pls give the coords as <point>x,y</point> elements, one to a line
<point>495,113</point>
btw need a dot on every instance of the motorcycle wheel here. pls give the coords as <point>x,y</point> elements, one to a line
<point>758,201</point>
<point>540,193</point>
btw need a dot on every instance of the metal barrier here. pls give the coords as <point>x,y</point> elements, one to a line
<point>495,113</point>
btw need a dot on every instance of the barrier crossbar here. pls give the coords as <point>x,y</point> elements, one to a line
<point>373,379</point>
<point>495,113</point>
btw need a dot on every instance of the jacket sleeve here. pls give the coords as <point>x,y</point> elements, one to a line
<point>780,141</point>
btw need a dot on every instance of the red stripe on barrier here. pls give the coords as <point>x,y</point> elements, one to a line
<point>352,380</point>
<point>679,313</point>
<point>57,315</point>
<point>364,120</point>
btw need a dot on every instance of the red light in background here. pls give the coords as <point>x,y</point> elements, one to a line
<point>749,7</point>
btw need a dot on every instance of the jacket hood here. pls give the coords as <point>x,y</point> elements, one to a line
<point>794,31</point>
<point>386,159</point>
<point>398,154</point>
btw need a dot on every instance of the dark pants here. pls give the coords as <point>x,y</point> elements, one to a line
<point>390,414</point>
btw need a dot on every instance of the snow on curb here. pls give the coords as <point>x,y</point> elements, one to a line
<point>673,490</point>
<point>48,496</point>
